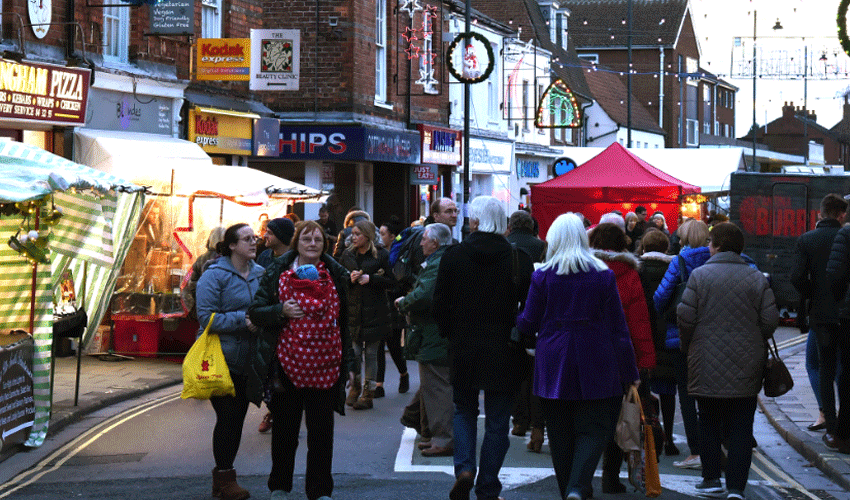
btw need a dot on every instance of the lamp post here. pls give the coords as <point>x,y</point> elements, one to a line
<point>776,26</point>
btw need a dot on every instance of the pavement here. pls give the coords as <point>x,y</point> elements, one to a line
<point>107,380</point>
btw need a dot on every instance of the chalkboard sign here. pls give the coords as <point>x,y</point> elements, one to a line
<point>173,17</point>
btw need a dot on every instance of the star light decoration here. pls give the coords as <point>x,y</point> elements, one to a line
<point>410,34</point>
<point>411,6</point>
<point>412,51</point>
<point>426,79</point>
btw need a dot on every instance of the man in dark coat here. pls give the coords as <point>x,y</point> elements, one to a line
<point>527,412</point>
<point>811,279</point>
<point>475,306</point>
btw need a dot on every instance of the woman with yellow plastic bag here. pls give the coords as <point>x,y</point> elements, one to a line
<point>224,292</point>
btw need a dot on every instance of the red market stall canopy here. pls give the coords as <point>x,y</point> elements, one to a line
<point>615,179</point>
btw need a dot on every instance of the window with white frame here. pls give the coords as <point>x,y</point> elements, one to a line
<point>706,127</point>
<point>116,34</point>
<point>210,18</point>
<point>526,102</point>
<point>716,127</point>
<point>493,89</point>
<point>593,58</point>
<point>381,51</point>
<point>692,133</point>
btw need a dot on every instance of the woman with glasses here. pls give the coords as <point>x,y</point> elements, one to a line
<point>305,384</point>
<point>226,288</point>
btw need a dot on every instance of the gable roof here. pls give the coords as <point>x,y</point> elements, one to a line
<point>527,16</point>
<point>655,23</point>
<point>610,92</point>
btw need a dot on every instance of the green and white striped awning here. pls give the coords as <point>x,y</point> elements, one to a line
<point>27,173</point>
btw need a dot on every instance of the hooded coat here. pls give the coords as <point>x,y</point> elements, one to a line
<point>626,266</point>
<point>368,311</point>
<point>224,291</point>
<point>475,307</point>
<point>343,240</point>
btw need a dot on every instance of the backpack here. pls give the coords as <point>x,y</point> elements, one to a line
<point>404,268</point>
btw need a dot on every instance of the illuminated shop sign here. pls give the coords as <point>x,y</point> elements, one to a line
<point>43,93</point>
<point>349,144</point>
<point>441,146</point>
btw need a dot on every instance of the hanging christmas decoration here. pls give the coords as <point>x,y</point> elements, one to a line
<point>471,46</point>
<point>558,107</point>
<point>842,26</point>
<point>28,241</point>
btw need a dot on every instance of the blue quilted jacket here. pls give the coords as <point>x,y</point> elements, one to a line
<point>694,258</point>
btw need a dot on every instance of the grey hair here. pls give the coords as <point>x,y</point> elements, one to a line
<point>489,213</point>
<point>613,218</point>
<point>439,233</point>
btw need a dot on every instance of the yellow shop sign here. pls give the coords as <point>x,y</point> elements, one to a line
<point>224,59</point>
<point>222,131</point>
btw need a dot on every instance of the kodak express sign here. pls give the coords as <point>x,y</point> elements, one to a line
<point>224,59</point>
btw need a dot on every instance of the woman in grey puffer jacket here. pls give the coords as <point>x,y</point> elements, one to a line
<point>227,288</point>
<point>727,313</point>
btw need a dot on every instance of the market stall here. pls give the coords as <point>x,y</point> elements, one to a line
<point>188,196</point>
<point>58,219</point>
<point>615,179</point>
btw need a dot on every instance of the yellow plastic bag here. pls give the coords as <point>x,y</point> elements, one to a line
<point>205,371</point>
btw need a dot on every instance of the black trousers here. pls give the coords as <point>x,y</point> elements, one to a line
<point>833,345</point>
<point>527,411</point>
<point>393,343</point>
<point>230,414</point>
<point>730,418</point>
<point>318,407</point>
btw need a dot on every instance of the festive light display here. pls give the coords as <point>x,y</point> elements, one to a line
<point>31,241</point>
<point>419,38</point>
<point>558,108</point>
<point>842,26</point>
<point>472,70</point>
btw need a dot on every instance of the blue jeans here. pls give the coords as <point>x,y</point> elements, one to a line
<point>687,404</point>
<point>494,447</point>
<point>732,418</point>
<point>578,433</point>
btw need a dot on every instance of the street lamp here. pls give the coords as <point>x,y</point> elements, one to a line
<point>777,26</point>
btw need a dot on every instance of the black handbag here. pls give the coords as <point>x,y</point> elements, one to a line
<point>669,314</point>
<point>777,378</point>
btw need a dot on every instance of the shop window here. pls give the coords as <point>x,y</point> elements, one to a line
<point>210,18</point>
<point>116,34</point>
<point>380,51</point>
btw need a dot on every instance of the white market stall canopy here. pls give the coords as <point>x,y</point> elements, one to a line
<point>708,168</point>
<point>173,166</point>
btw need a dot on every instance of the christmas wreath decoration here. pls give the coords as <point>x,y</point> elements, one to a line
<point>842,26</point>
<point>461,42</point>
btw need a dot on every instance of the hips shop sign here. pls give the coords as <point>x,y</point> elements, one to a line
<point>349,144</point>
<point>43,93</point>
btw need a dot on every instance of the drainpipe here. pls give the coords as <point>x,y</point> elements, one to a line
<point>661,87</point>
<point>70,30</point>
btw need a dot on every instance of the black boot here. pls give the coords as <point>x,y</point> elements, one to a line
<point>611,462</point>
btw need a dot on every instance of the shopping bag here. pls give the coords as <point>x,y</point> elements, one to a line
<point>628,430</point>
<point>643,462</point>
<point>777,378</point>
<point>205,371</point>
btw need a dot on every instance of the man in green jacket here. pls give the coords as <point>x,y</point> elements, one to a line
<point>427,346</point>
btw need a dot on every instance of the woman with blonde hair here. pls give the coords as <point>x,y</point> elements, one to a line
<point>584,354</point>
<point>368,311</point>
<point>694,253</point>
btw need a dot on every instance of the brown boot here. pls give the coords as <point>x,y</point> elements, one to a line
<point>226,487</point>
<point>365,400</point>
<point>353,391</point>
<point>536,442</point>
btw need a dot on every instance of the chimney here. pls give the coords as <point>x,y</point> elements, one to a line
<point>846,107</point>
<point>812,115</point>
<point>788,110</point>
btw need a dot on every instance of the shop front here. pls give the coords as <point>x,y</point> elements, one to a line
<point>490,171</point>
<point>356,165</point>
<point>442,154</point>
<point>532,165</point>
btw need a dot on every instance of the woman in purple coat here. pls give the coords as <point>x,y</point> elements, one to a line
<point>584,358</point>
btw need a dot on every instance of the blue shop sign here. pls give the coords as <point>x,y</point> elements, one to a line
<point>349,144</point>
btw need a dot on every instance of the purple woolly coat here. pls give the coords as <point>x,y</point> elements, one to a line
<point>584,350</point>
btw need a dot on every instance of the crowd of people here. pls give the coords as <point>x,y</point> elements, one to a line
<point>553,332</point>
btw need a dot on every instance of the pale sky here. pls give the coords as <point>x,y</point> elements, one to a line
<point>719,22</point>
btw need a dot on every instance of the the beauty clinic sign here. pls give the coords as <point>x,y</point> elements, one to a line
<point>275,59</point>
